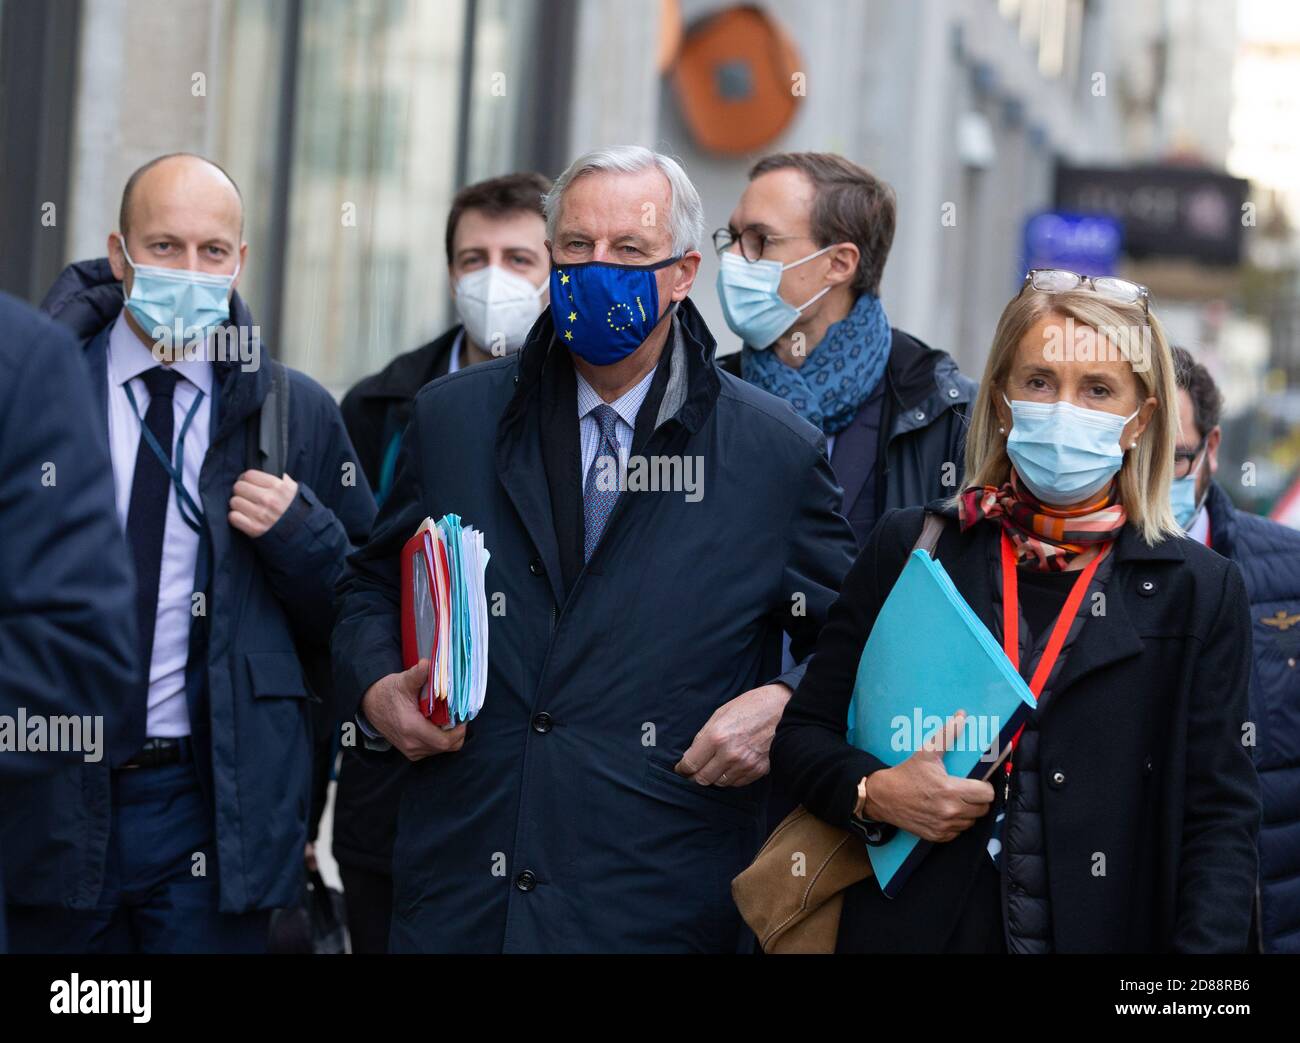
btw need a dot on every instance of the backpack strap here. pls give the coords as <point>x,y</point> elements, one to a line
<point>266,442</point>
<point>931,530</point>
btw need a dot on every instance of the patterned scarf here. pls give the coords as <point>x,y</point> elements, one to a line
<point>1047,538</point>
<point>837,377</point>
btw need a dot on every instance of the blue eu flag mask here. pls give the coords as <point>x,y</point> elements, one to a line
<point>603,312</point>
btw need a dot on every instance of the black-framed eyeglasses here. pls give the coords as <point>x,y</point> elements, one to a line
<point>1059,280</point>
<point>1185,458</point>
<point>752,241</point>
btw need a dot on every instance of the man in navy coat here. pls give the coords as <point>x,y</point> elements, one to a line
<point>652,523</point>
<point>67,632</point>
<point>195,825</point>
<point>1269,556</point>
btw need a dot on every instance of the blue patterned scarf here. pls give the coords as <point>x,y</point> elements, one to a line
<point>838,375</point>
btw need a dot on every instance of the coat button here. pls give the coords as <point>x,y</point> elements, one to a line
<point>542,723</point>
<point>526,880</point>
<point>1057,779</point>
<point>1147,587</point>
<point>536,567</point>
<point>1146,767</point>
<point>952,392</point>
<point>919,415</point>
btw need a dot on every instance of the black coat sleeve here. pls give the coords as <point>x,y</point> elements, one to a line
<point>820,551</point>
<point>810,757</point>
<point>1218,863</point>
<point>367,642</point>
<point>67,594</point>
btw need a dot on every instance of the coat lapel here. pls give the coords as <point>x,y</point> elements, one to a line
<point>1110,637</point>
<point>521,468</point>
<point>849,459</point>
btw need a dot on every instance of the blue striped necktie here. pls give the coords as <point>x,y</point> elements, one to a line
<point>598,502</point>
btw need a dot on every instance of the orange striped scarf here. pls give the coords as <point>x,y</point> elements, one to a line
<point>1046,538</point>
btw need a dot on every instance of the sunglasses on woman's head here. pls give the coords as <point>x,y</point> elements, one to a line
<point>1058,280</point>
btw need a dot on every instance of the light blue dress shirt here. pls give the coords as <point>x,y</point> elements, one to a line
<point>128,358</point>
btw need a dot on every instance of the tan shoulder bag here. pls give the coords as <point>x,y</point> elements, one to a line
<point>792,913</point>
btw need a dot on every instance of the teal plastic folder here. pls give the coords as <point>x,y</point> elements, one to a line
<point>929,656</point>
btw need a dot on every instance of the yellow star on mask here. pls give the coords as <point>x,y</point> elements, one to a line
<point>568,334</point>
<point>573,316</point>
<point>564,279</point>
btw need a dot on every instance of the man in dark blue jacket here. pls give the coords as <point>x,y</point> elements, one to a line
<point>1269,556</point>
<point>819,227</point>
<point>67,631</point>
<point>651,523</point>
<point>240,498</point>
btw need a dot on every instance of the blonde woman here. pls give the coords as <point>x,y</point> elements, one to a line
<point>1125,817</point>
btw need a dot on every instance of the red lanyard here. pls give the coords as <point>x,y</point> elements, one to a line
<point>1011,623</point>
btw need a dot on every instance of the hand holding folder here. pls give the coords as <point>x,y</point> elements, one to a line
<point>928,656</point>
<point>445,619</point>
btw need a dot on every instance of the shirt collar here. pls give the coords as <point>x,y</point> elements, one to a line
<point>129,357</point>
<point>454,361</point>
<point>626,405</point>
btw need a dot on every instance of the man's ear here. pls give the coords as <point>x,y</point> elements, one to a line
<point>1212,441</point>
<point>844,263</point>
<point>683,275</point>
<point>117,258</point>
<point>243,263</point>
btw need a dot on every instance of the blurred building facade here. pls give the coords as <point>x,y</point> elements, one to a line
<point>350,123</point>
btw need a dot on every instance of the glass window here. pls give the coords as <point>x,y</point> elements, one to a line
<point>245,130</point>
<point>504,69</point>
<point>375,141</point>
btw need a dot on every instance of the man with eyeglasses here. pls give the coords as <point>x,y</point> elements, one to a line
<point>801,262</point>
<point>1269,557</point>
<point>613,784</point>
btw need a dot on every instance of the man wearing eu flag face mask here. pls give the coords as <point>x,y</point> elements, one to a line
<point>1269,557</point>
<point>617,767</point>
<point>235,555</point>
<point>800,264</point>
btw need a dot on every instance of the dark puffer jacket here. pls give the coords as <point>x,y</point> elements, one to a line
<point>1269,557</point>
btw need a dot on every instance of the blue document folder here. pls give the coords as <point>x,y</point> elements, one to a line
<point>929,656</point>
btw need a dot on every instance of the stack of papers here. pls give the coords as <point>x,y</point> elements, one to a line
<point>445,617</point>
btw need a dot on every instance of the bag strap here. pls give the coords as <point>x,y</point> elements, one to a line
<point>931,530</point>
<point>267,442</point>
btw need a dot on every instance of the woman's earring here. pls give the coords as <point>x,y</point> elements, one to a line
<point>1133,444</point>
<point>1002,430</point>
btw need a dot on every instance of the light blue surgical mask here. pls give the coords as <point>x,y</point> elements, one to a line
<point>1182,496</point>
<point>162,297</point>
<point>1063,452</point>
<point>751,301</point>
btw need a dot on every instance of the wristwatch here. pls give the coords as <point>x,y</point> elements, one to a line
<point>873,832</point>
